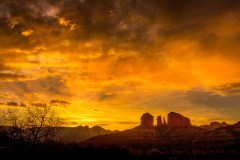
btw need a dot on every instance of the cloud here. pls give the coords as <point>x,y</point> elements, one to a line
<point>59,102</point>
<point>27,32</point>
<point>123,26</point>
<point>136,55</point>
<point>212,99</point>
<point>74,123</point>
<point>12,61</point>
<point>10,76</point>
<point>128,122</point>
<point>12,22</point>
<point>37,89</point>
<point>67,23</point>
<point>102,124</point>
<point>226,105</point>
<point>106,96</point>
<point>229,89</point>
<point>12,104</point>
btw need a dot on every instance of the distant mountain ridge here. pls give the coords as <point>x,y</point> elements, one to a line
<point>157,137</point>
<point>177,125</point>
<point>214,125</point>
<point>79,133</point>
<point>213,138</point>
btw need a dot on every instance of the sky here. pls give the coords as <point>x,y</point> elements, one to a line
<point>106,62</point>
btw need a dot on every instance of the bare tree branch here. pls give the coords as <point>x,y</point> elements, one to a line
<point>37,123</point>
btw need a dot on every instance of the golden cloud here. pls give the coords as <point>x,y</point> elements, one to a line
<point>27,32</point>
<point>115,58</point>
<point>67,23</point>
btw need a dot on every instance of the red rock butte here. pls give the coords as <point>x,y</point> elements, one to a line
<point>173,120</point>
<point>147,120</point>
<point>159,121</point>
<point>178,120</point>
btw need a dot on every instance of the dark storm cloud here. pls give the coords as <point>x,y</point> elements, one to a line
<point>133,24</point>
<point>59,102</point>
<point>52,85</point>
<point>74,123</point>
<point>213,100</point>
<point>228,105</point>
<point>27,15</point>
<point>148,28</point>
<point>12,104</point>
<point>229,89</point>
<point>102,124</point>
<point>106,96</point>
<point>9,76</point>
<point>46,86</point>
<point>127,122</point>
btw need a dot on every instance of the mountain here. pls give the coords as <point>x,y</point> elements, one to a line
<point>80,133</point>
<point>165,139</point>
<point>229,134</point>
<point>144,138</point>
<point>173,141</point>
<point>214,125</point>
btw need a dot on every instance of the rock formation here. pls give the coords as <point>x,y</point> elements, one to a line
<point>147,120</point>
<point>164,121</point>
<point>214,125</point>
<point>237,125</point>
<point>159,120</point>
<point>177,120</point>
<point>80,133</point>
<point>218,124</point>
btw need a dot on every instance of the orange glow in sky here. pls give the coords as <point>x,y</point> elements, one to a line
<point>114,60</point>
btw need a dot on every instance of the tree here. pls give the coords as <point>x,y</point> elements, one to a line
<point>12,123</point>
<point>35,123</point>
<point>41,124</point>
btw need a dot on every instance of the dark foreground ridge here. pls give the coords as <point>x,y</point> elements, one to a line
<point>175,138</point>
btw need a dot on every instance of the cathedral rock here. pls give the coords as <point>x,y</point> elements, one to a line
<point>147,120</point>
<point>173,120</point>
<point>159,121</point>
<point>177,120</point>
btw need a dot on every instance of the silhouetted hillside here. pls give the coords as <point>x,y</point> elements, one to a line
<point>214,125</point>
<point>221,142</point>
<point>141,143</point>
<point>80,133</point>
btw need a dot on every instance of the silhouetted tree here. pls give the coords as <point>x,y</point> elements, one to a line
<point>41,124</point>
<point>12,123</point>
<point>34,123</point>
